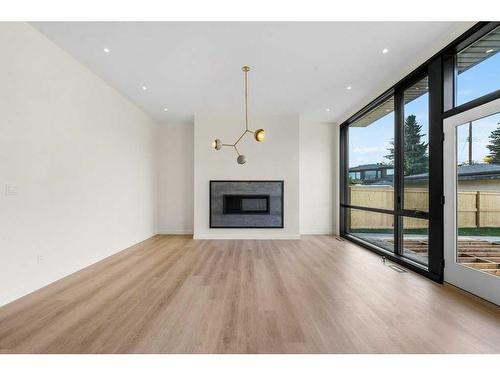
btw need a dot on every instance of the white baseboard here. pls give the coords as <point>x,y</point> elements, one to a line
<point>228,236</point>
<point>318,233</point>
<point>244,236</point>
<point>175,231</point>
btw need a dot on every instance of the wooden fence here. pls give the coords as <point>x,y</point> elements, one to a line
<point>475,208</point>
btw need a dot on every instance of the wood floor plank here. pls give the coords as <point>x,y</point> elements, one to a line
<point>173,294</point>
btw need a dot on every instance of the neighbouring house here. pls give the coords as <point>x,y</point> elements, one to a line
<point>481,176</point>
<point>371,174</point>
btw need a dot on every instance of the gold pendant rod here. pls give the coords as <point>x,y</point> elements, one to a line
<point>236,150</point>
<point>246,69</point>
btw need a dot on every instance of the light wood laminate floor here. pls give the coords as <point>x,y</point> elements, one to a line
<point>172,294</point>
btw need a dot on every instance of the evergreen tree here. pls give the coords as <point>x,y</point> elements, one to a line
<point>415,151</point>
<point>390,155</point>
<point>494,146</point>
<point>415,155</point>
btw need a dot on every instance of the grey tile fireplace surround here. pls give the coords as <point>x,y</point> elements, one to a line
<point>246,204</point>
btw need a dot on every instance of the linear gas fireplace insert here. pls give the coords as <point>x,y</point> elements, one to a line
<point>237,204</point>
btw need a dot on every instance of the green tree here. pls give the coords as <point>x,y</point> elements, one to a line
<point>390,155</point>
<point>415,150</point>
<point>494,146</point>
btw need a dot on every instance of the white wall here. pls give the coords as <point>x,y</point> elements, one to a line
<point>81,157</point>
<point>318,177</point>
<point>318,154</point>
<point>275,159</point>
<point>176,178</point>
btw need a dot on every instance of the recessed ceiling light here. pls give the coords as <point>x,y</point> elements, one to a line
<point>165,109</point>
<point>387,110</point>
<point>144,88</point>
<point>106,50</point>
<point>490,50</point>
<point>349,87</point>
<point>385,50</point>
<point>328,109</point>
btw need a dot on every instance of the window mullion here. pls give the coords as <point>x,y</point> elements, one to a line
<point>398,169</point>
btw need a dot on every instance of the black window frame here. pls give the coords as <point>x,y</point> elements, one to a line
<point>441,72</point>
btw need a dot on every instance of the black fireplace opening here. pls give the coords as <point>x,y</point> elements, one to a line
<point>237,204</point>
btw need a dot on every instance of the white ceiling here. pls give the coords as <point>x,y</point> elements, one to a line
<point>297,67</point>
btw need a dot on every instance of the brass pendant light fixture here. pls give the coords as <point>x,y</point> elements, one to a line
<point>258,134</point>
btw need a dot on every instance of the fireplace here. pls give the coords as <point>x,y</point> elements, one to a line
<point>246,204</point>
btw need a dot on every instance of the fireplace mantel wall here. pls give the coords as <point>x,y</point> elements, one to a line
<point>275,159</point>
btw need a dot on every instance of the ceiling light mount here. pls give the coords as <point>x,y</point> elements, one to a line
<point>259,134</point>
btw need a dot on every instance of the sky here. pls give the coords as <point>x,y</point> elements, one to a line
<point>481,130</point>
<point>369,144</point>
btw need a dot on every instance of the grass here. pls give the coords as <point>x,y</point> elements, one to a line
<point>490,232</point>
<point>487,232</point>
<point>388,231</point>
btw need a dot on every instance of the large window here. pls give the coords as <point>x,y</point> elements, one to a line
<point>392,194</point>
<point>387,150</point>
<point>478,68</point>
<point>375,151</point>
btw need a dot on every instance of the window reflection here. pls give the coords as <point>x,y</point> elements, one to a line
<point>478,68</point>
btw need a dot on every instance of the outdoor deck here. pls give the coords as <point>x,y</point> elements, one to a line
<point>479,254</point>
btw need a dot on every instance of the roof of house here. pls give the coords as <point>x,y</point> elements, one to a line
<point>369,167</point>
<point>468,172</point>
